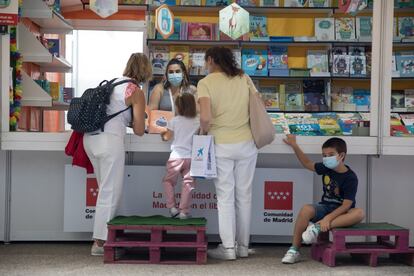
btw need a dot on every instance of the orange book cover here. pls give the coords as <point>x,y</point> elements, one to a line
<point>158,120</point>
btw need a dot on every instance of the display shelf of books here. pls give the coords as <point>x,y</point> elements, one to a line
<point>34,141</point>
<point>48,19</point>
<point>399,124</point>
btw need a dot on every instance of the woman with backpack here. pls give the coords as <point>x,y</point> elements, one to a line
<point>105,148</point>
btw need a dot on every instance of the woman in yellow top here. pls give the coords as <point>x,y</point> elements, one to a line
<point>223,97</point>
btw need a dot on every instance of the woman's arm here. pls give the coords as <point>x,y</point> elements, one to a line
<point>154,101</point>
<point>138,112</point>
<point>205,114</point>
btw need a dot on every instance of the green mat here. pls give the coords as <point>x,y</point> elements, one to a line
<point>157,220</point>
<point>373,226</point>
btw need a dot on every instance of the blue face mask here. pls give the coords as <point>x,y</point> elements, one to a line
<point>331,162</point>
<point>175,79</point>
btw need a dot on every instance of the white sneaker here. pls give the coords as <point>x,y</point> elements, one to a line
<point>174,212</point>
<point>184,216</point>
<point>291,257</point>
<point>310,235</point>
<point>222,253</point>
<point>242,251</point>
<point>97,250</point>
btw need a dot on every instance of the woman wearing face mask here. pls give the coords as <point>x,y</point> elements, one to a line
<point>176,82</point>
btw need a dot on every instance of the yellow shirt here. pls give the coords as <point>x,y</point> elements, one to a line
<point>229,97</point>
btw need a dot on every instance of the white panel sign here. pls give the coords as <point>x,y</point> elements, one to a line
<point>278,195</point>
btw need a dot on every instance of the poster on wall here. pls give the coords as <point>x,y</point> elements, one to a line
<point>164,21</point>
<point>234,21</point>
<point>278,195</point>
<point>8,12</point>
<point>104,8</point>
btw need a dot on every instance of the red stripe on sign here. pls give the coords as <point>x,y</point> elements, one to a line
<point>8,19</point>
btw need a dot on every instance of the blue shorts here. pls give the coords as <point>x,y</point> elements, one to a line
<point>321,210</point>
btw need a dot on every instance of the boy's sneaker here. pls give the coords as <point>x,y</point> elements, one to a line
<point>184,216</point>
<point>242,251</point>
<point>222,253</point>
<point>311,234</point>
<point>97,250</point>
<point>292,256</point>
<point>174,212</point>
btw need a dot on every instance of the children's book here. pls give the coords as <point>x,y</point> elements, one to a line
<point>269,3</point>
<point>368,57</point>
<point>356,51</point>
<point>364,28</point>
<point>340,66</point>
<point>343,99</point>
<point>406,27</point>
<point>320,3</point>
<point>303,124</point>
<point>158,120</point>
<point>162,2</point>
<point>408,120</point>
<point>270,97</point>
<point>314,95</point>
<point>318,63</point>
<point>197,64</point>
<point>53,45</point>
<point>278,61</point>
<point>328,123</point>
<point>218,2</point>
<point>358,66</point>
<point>181,53</point>
<point>293,96</point>
<point>159,56</point>
<point>347,122</point>
<point>280,123</point>
<point>191,2</point>
<point>254,62</point>
<point>325,29</point>
<point>409,99</point>
<point>397,128</point>
<point>345,28</point>
<point>362,99</point>
<point>177,31</point>
<point>55,90</point>
<point>405,64</point>
<point>200,31</point>
<point>246,3</point>
<point>398,101</point>
<point>258,28</point>
<point>295,3</point>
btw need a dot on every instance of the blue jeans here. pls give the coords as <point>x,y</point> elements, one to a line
<point>321,210</point>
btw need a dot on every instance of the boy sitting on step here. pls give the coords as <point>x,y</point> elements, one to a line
<point>337,206</point>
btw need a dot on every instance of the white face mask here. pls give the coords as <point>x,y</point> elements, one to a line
<point>331,162</point>
<point>175,79</point>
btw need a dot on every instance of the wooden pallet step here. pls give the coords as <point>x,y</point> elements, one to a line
<point>155,244</point>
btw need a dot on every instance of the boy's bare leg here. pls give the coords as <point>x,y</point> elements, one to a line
<point>353,216</point>
<point>305,215</point>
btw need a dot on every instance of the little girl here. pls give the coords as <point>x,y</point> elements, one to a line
<point>181,129</point>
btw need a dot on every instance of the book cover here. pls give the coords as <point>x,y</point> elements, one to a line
<point>406,27</point>
<point>218,2</point>
<point>303,124</point>
<point>270,97</point>
<point>269,3</point>
<point>364,28</point>
<point>358,66</point>
<point>397,128</point>
<point>280,123</point>
<point>191,2</point>
<point>54,90</point>
<point>294,96</point>
<point>318,63</point>
<point>53,45</point>
<point>278,61</point>
<point>356,51</point>
<point>320,3</point>
<point>181,53</point>
<point>408,120</point>
<point>328,123</point>
<point>197,63</point>
<point>295,3</point>
<point>177,31</point>
<point>314,95</point>
<point>347,122</point>
<point>68,93</point>
<point>340,65</point>
<point>368,57</point>
<point>405,64</point>
<point>362,99</point>
<point>345,28</point>
<point>237,56</point>
<point>342,99</point>
<point>247,3</point>
<point>254,62</point>
<point>159,56</point>
<point>258,28</point>
<point>162,2</point>
<point>200,31</point>
<point>325,29</point>
<point>398,101</point>
<point>158,120</point>
<point>409,99</point>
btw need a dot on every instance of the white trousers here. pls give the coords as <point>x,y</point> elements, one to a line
<point>236,164</point>
<point>107,154</point>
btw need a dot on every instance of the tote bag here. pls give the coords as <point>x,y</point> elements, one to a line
<point>262,128</point>
<point>203,158</point>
